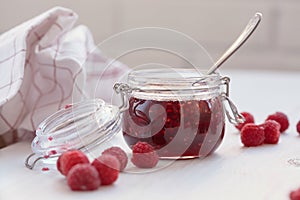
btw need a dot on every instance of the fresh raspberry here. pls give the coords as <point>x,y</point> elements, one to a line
<point>108,168</point>
<point>58,164</point>
<point>252,135</point>
<point>298,127</point>
<point>144,155</point>
<point>70,158</point>
<point>295,195</point>
<point>119,154</point>
<point>83,177</point>
<point>281,118</point>
<point>248,119</point>
<point>272,131</point>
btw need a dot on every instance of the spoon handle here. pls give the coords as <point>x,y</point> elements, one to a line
<point>251,26</point>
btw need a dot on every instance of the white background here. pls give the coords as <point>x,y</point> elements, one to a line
<point>215,24</point>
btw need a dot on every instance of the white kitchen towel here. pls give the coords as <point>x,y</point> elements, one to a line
<point>43,63</point>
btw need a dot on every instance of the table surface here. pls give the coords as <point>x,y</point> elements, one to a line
<point>232,172</point>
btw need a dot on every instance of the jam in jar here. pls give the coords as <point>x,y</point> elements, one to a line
<point>178,112</point>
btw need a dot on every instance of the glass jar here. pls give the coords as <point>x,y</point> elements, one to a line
<point>180,112</point>
<point>180,115</point>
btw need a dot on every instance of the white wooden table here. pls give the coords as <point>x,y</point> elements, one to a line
<point>233,172</point>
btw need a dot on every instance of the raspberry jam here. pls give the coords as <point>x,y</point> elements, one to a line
<point>176,129</point>
<point>179,112</point>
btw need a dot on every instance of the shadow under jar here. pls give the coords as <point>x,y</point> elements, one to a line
<point>179,114</point>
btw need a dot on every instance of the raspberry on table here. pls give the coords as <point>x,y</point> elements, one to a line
<point>83,177</point>
<point>272,131</point>
<point>144,155</point>
<point>295,195</point>
<point>248,119</point>
<point>252,135</point>
<point>281,118</point>
<point>298,127</point>
<point>69,159</point>
<point>108,168</point>
<point>119,154</point>
<point>58,164</point>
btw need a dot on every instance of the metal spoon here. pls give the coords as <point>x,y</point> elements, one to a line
<point>251,26</point>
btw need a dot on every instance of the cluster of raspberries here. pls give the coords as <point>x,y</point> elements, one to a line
<point>267,132</point>
<point>82,175</point>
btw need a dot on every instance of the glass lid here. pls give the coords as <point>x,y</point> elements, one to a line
<point>83,125</point>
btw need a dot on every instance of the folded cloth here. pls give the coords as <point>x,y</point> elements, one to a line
<point>45,64</point>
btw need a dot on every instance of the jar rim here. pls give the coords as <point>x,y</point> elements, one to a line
<point>174,84</point>
<point>172,78</point>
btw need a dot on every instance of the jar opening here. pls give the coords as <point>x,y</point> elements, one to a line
<point>174,84</point>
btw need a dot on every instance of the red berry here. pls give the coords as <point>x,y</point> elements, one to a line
<point>108,168</point>
<point>298,127</point>
<point>295,195</point>
<point>252,135</point>
<point>144,155</point>
<point>272,131</point>
<point>83,177</point>
<point>248,119</point>
<point>281,118</point>
<point>58,164</point>
<point>119,154</point>
<point>70,158</point>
